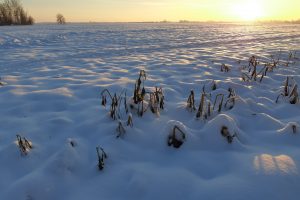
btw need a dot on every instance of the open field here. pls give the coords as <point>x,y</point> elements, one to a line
<point>51,82</point>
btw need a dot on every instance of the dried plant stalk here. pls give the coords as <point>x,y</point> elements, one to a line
<point>101,156</point>
<point>129,120</point>
<point>201,105</point>
<point>225,68</point>
<point>191,101</point>
<point>225,133</point>
<point>120,130</point>
<point>294,95</point>
<point>172,139</point>
<point>286,87</point>
<point>294,128</point>
<point>24,145</point>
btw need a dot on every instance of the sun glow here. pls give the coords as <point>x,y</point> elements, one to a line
<point>248,10</point>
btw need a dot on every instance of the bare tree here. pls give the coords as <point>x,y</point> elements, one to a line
<point>12,13</point>
<point>60,19</point>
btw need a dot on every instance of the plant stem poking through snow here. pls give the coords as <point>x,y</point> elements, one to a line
<point>24,145</point>
<point>252,69</point>
<point>138,95</point>
<point>120,130</point>
<point>101,157</point>
<point>129,120</point>
<point>213,85</point>
<point>294,127</point>
<point>220,102</point>
<point>225,133</point>
<point>172,139</point>
<point>191,101</point>
<point>294,95</point>
<point>225,68</point>
<point>291,94</point>
<point>115,103</point>
<point>155,101</point>
<point>201,105</point>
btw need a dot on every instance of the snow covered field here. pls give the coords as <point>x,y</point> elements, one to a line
<point>51,80</point>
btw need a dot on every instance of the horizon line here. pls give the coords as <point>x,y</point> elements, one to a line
<point>179,21</point>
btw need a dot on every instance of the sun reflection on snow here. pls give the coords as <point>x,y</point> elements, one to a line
<point>269,164</point>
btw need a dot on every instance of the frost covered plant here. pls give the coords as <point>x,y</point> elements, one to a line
<point>289,93</point>
<point>173,140</point>
<point>24,145</point>
<point>101,156</point>
<point>225,133</point>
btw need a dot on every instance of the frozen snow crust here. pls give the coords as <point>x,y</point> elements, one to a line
<point>51,80</point>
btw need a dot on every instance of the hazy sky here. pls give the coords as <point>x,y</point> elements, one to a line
<point>157,10</point>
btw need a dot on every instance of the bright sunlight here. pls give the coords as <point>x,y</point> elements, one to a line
<point>248,10</point>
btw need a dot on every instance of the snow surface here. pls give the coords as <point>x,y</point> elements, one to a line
<point>52,77</point>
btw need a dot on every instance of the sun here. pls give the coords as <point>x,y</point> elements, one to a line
<point>248,10</point>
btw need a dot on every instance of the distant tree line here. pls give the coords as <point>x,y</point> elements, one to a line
<point>12,13</point>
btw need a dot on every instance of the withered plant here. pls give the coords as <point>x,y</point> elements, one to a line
<point>115,103</point>
<point>206,107</point>
<point>290,93</point>
<point>225,68</point>
<point>294,127</point>
<point>219,99</point>
<point>155,100</point>
<point>24,145</point>
<point>120,129</point>
<point>253,70</point>
<point>173,140</point>
<point>101,156</point>
<point>191,101</point>
<point>225,133</point>
<point>130,120</point>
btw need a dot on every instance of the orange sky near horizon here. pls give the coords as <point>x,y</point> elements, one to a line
<point>157,10</point>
